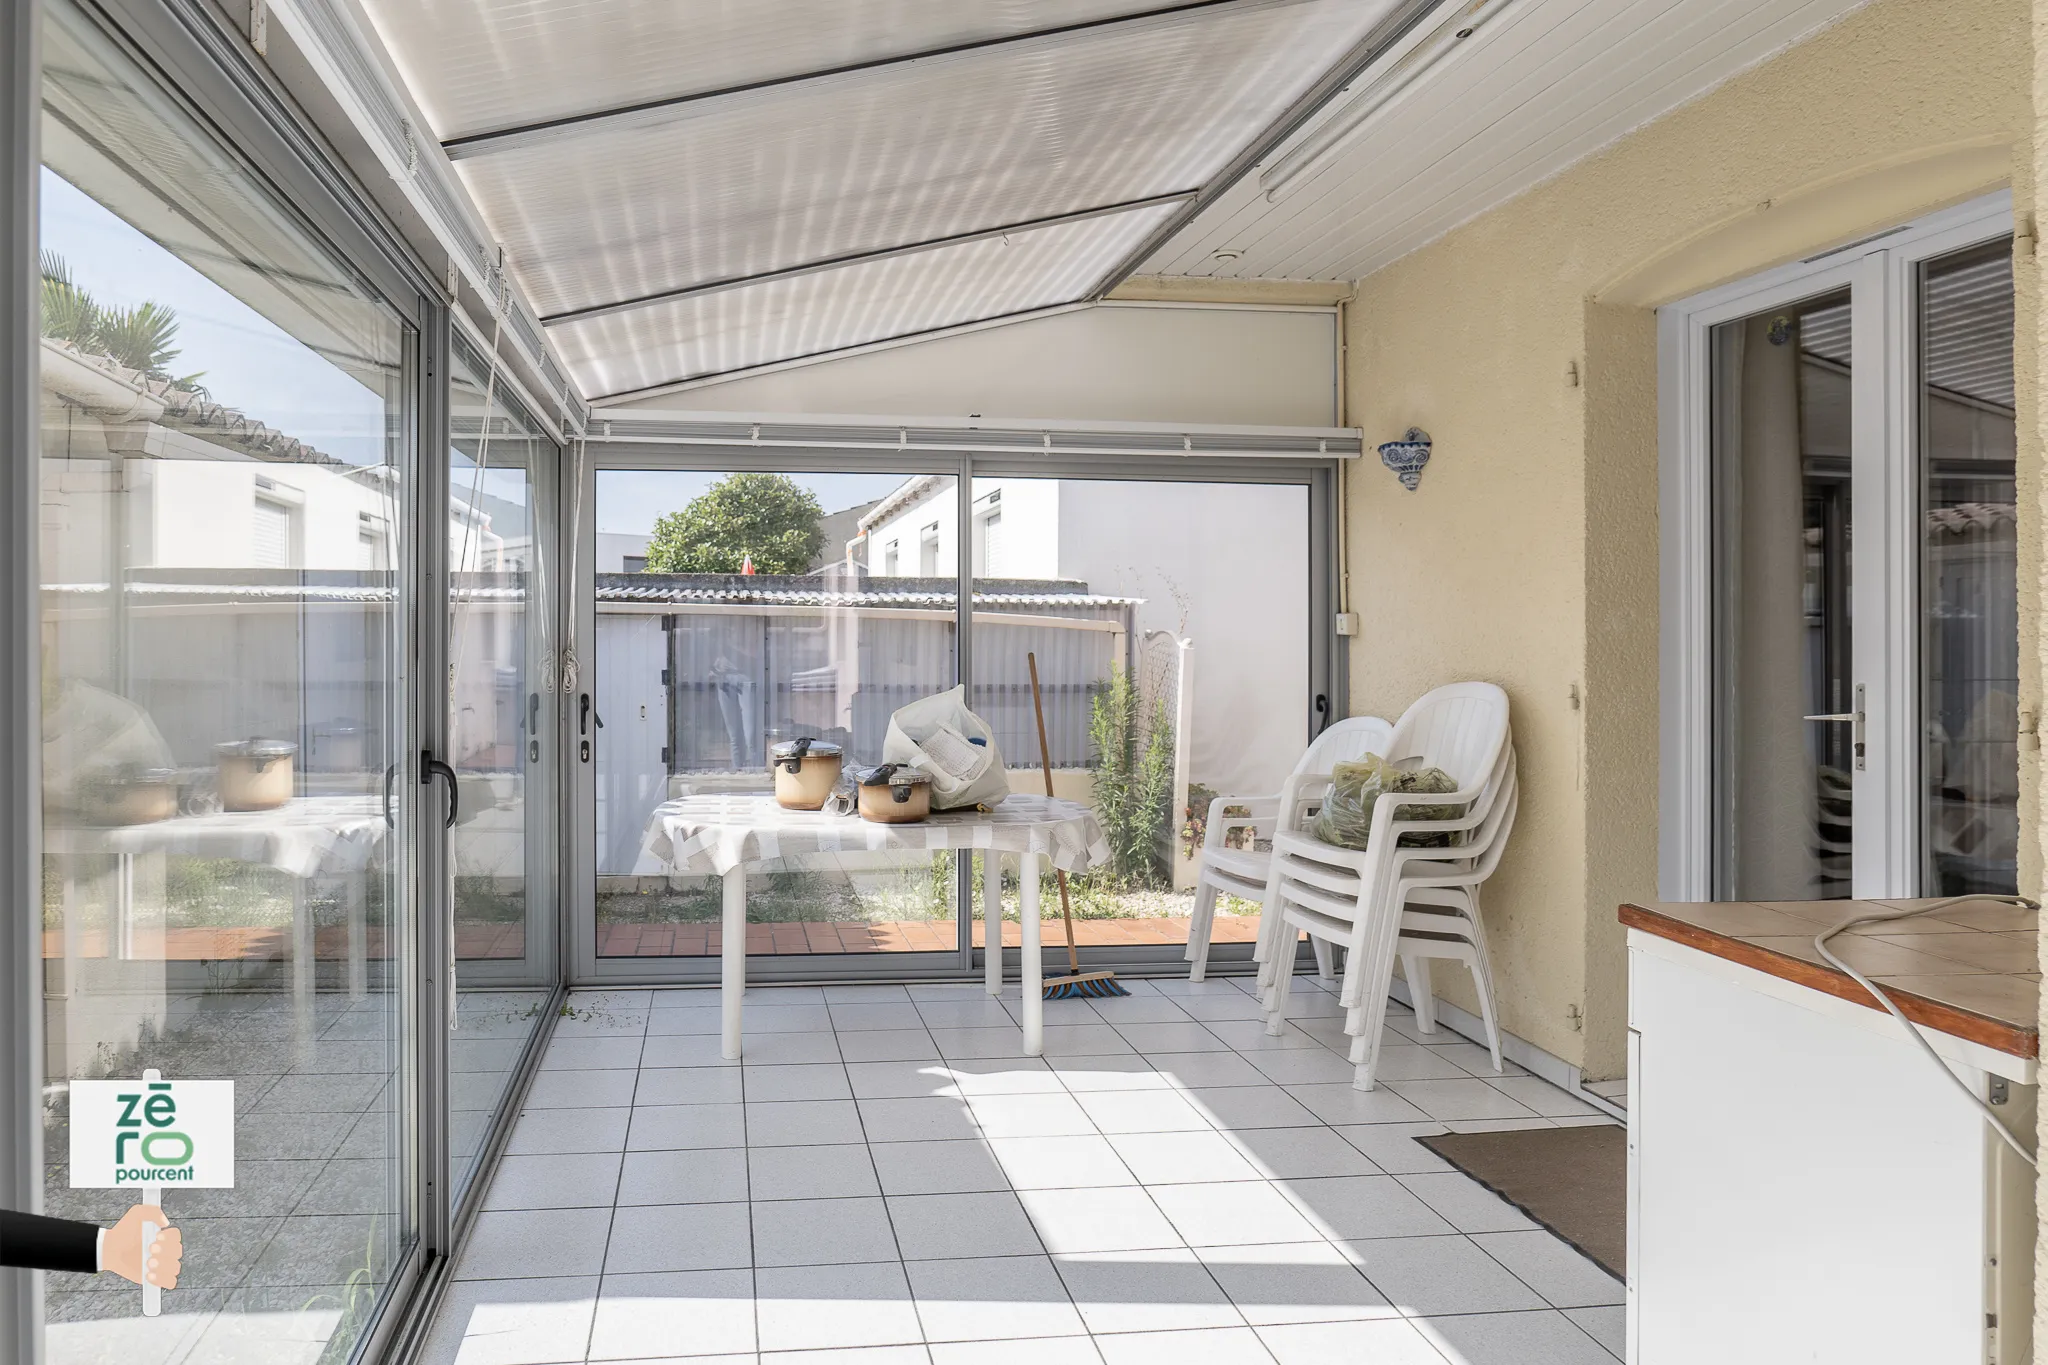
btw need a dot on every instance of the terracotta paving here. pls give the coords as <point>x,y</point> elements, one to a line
<point>330,944</point>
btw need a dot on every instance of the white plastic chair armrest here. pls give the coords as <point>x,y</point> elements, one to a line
<point>1261,811</point>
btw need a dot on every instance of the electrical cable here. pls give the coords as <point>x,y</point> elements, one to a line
<point>1820,945</point>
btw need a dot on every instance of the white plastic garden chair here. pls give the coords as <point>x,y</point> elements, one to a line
<point>1241,872</point>
<point>1349,897</point>
<point>1321,890</point>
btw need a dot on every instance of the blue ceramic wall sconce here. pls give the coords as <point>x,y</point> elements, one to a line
<point>1407,456</point>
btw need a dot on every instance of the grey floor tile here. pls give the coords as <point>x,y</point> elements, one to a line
<point>1028,1351</point>
<point>1182,1158</point>
<point>928,1119</point>
<point>1354,1206</point>
<point>1294,1282</point>
<point>889,1045</point>
<point>1548,1265</point>
<point>561,1181</point>
<point>1143,1111</point>
<point>826,1307</point>
<point>791,1049</point>
<point>591,1054</point>
<point>1238,1214</point>
<point>864,994</point>
<point>649,1315</point>
<point>1060,1162</point>
<point>1608,1326</point>
<point>899,1079</point>
<point>1249,1036</point>
<point>1380,1341</point>
<point>535,1243</point>
<point>679,1237</point>
<point>803,1123</point>
<point>1171,1036</point>
<point>1206,1070</point>
<point>667,1127</point>
<point>1392,1146</point>
<point>1300,1153</point>
<point>513,1322</point>
<point>1300,1066</point>
<point>815,1081</point>
<point>1115,1071</point>
<point>581,1089</point>
<point>1425,1276</point>
<point>837,1172</point>
<point>1196,1346</point>
<point>1003,1040</point>
<point>541,1132</point>
<point>1541,1097</point>
<point>897,1014</point>
<point>1077,1222</point>
<point>958,1166</point>
<point>794,1232</point>
<point>1139,1291</point>
<point>1340,1104</point>
<point>1243,1107</point>
<point>689,1085</point>
<point>995,1299</point>
<point>1547,1337</point>
<point>761,1020</point>
<point>1466,1204</point>
<point>1017,1116</point>
<point>976,1076</point>
<point>1467,1099</point>
<point>701,1175</point>
<point>932,1227</point>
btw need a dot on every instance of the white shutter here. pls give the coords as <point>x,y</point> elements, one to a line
<point>272,539</point>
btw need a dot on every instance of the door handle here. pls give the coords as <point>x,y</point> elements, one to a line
<point>1858,745</point>
<point>431,768</point>
<point>390,776</point>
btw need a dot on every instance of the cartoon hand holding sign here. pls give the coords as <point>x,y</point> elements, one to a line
<point>150,1133</point>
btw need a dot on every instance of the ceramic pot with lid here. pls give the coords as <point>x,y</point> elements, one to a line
<point>806,770</point>
<point>894,793</point>
<point>255,774</point>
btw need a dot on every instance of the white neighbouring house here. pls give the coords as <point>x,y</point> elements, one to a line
<point>1224,566</point>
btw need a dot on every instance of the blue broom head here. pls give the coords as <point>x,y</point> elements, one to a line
<point>1070,988</point>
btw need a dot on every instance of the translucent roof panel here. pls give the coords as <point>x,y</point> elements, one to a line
<point>479,65</point>
<point>740,185</point>
<point>733,329</point>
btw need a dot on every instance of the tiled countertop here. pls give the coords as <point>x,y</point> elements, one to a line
<point>1970,970</point>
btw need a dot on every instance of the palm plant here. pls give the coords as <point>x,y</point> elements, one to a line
<point>140,337</point>
<point>69,313</point>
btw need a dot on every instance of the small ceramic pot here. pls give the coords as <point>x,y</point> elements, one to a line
<point>138,797</point>
<point>894,794</point>
<point>255,774</point>
<point>806,770</point>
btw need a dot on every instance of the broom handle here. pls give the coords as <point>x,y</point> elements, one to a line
<point>1045,760</point>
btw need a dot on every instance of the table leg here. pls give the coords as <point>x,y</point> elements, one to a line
<point>732,962</point>
<point>124,907</point>
<point>358,937</point>
<point>302,971</point>
<point>1033,961</point>
<point>992,919</point>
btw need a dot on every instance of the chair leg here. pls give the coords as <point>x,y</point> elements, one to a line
<point>1283,982</point>
<point>1421,995</point>
<point>1482,981</point>
<point>1200,923</point>
<point>1325,965</point>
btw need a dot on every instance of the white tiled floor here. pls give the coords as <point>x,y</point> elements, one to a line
<point>884,1181</point>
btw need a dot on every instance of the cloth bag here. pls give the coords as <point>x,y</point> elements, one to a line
<point>956,747</point>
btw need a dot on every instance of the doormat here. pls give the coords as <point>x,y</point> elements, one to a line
<point>1573,1181</point>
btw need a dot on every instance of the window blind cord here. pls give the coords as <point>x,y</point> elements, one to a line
<point>1820,945</point>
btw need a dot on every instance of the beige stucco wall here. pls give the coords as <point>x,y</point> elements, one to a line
<point>1524,342</point>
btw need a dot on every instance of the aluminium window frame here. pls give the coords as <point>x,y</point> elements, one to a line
<point>1881,271</point>
<point>1324,701</point>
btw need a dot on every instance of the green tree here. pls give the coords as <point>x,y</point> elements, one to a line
<point>766,517</point>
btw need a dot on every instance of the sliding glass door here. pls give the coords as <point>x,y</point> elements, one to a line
<point>1842,656</point>
<point>227,471</point>
<point>735,602</point>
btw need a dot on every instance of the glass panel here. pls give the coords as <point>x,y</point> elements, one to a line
<point>1170,673</point>
<point>223,478</point>
<point>1781,415</point>
<point>499,643</point>
<point>1969,691</point>
<point>770,607</point>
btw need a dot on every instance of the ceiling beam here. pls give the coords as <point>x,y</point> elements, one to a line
<point>601,310</point>
<point>650,113</point>
<point>1369,49</point>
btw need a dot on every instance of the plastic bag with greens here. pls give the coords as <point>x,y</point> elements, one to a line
<point>1346,815</point>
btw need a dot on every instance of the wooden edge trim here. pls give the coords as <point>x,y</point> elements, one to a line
<point>1997,1034</point>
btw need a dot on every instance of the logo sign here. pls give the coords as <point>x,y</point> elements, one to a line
<point>176,1134</point>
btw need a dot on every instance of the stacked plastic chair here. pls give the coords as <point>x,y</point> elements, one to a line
<point>1396,898</point>
<point>1242,871</point>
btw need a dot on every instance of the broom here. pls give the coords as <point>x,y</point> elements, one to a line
<point>1076,983</point>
